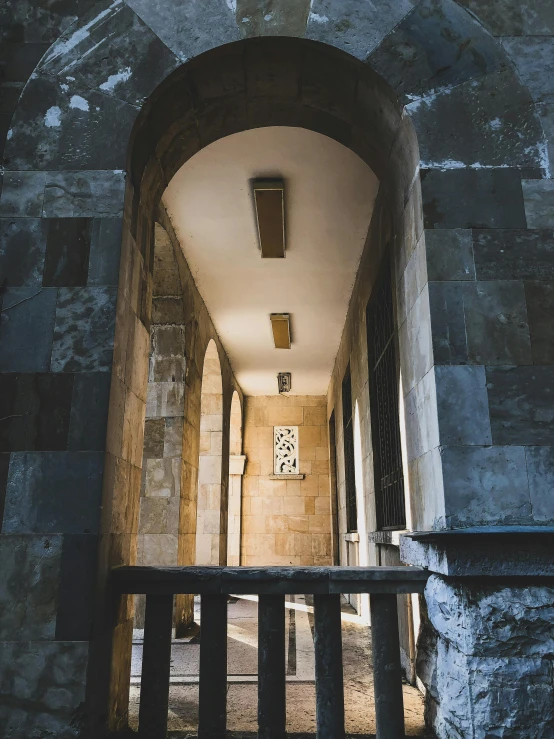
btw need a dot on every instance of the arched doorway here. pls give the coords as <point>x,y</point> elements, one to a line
<point>236,471</point>
<point>210,538</point>
<point>290,82</point>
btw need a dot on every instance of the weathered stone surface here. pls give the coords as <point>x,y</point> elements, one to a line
<point>84,329</point>
<point>188,29</point>
<point>539,203</point>
<point>89,411</point>
<point>84,194</point>
<point>496,323</point>
<point>449,254</point>
<point>35,411</point>
<point>514,255</point>
<point>448,323</point>
<point>58,126</point>
<point>416,351</point>
<point>545,112</point>
<point>272,18</point>
<point>22,249</point>
<point>41,688</point>
<point>27,329</point>
<point>159,515</point>
<point>468,198</point>
<point>521,404</point>
<point>77,587</point>
<point>512,17</point>
<point>471,125</point>
<point>412,282</point>
<point>173,437</point>
<point>437,45</point>
<point>105,251</point>
<point>112,50</point>
<point>162,477</point>
<point>354,27</point>
<point>29,579</point>
<point>165,399</point>
<point>22,194</point>
<point>532,56</point>
<point>540,310</point>
<point>154,431</point>
<point>421,417</point>
<point>67,252</point>
<point>462,405</point>
<point>484,485</point>
<point>540,471</point>
<point>31,505</point>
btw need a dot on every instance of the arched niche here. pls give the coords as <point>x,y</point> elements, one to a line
<point>236,471</point>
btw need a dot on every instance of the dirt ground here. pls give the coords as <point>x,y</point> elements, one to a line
<point>242,672</point>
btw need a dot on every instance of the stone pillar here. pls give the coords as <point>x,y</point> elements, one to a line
<point>236,471</point>
<point>487,642</point>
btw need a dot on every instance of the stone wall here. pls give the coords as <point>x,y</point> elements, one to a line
<point>286,522</point>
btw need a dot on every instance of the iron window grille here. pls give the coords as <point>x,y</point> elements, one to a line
<point>383,397</point>
<point>348,442</point>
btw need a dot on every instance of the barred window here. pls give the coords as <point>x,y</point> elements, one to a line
<point>383,396</point>
<point>348,441</point>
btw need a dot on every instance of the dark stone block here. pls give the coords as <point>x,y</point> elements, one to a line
<point>89,411</point>
<point>521,403</point>
<point>284,18</point>
<point>54,492</point>
<point>473,125</point>
<point>468,198</point>
<point>21,60</point>
<point>42,22</point>
<point>84,329</point>
<point>437,45</point>
<point>538,196</point>
<point>84,194</point>
<point>448,323</point>
<point>512,17</point>
<point>67,252</point>
<point>270,72</point>
<point>514,255</point>
<point>167,310</point>
<point>496,323</point>
<point>540,471</point>
<point>76,590</point>
<point>540,313</point>
<point>329,85</point>
<point>4,469</point>
<point>58,127</point>
<point>532,56</point>
<point>105,251</point>
<point>462,406</point>
<point>35,412</point>
<point>22,249</point>
<point>22,194</point>
<point>154,431</point>
<point>27,329</point>
<point>449,254</point>
<point>119,55</point>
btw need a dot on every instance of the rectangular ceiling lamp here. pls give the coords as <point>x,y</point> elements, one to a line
<point>281,330</point>
<point>269,197</point>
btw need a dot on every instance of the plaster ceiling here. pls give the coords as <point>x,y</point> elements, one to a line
<point>329,198</point>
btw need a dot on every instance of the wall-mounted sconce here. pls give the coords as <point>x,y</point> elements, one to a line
<point>280,324</point>
<point>269,198</point>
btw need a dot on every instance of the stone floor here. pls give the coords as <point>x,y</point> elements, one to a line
<point>242,666</point>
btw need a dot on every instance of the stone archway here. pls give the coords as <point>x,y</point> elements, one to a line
<point>65,162</point>
<point>210,543</point>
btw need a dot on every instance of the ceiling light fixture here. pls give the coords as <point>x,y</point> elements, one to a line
<point>269,198</point>
<point>280,323</point>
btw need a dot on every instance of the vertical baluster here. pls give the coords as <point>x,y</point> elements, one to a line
<point>271,667</point>
<point>156,663</point>
<point>387,673</point>
<point>328,667</point>
<point>212,700</point>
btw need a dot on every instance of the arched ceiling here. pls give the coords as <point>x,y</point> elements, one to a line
<point>329,198</point>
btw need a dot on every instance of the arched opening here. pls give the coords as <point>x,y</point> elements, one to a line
<point>236,471</point>
<point>210,535</point>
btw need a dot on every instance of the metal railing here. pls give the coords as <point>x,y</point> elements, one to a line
<point>271,584</point>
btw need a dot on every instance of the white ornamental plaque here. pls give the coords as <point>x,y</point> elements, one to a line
<point>285,439</point>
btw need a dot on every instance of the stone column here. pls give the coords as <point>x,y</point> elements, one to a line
<point>236,471</point>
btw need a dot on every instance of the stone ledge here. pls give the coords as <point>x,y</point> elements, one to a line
<point>286,477</point>
<point>482,551</point>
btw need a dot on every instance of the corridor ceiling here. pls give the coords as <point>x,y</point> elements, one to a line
<point>329,198</point>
